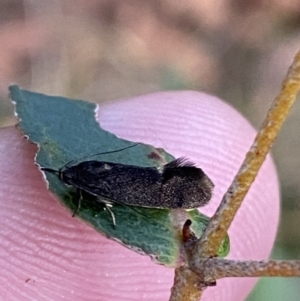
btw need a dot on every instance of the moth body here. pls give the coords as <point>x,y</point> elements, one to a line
<point>178,184</point>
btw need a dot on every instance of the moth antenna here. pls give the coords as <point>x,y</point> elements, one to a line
<point>97,154</point>
<point>50,170</point>
<point>115,151</point>
<point>110,152</point>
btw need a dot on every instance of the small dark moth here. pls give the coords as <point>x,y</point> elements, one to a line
<point>177,184</point>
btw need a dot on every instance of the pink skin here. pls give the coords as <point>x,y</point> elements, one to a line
<point>46,254</point>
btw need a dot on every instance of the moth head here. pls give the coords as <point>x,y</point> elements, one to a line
<point>62,175</point>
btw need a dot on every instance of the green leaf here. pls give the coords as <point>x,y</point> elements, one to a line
<point>199,222</point>
<point>67,130</point>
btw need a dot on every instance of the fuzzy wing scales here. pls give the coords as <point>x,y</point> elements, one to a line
<point>185,185</point>
<point>125,184</point>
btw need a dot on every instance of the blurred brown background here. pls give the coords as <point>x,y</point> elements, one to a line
<point>101,50</point>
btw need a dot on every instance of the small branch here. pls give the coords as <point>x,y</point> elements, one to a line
<point>186,286</point>
<point>190,281</point>
<point>213,268</point>
<point>217,228</point>
<point>203,268</point>
<point>186,283</point>
<point>216,268</point>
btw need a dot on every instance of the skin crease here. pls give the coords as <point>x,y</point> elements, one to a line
<point>46,254</point>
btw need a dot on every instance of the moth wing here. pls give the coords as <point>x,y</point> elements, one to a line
<point>182,168</point>
<point>126,184</point>
<point>180,162</point>
<point>185,185</point>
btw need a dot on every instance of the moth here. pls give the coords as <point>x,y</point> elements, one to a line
<point>177,184</point>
